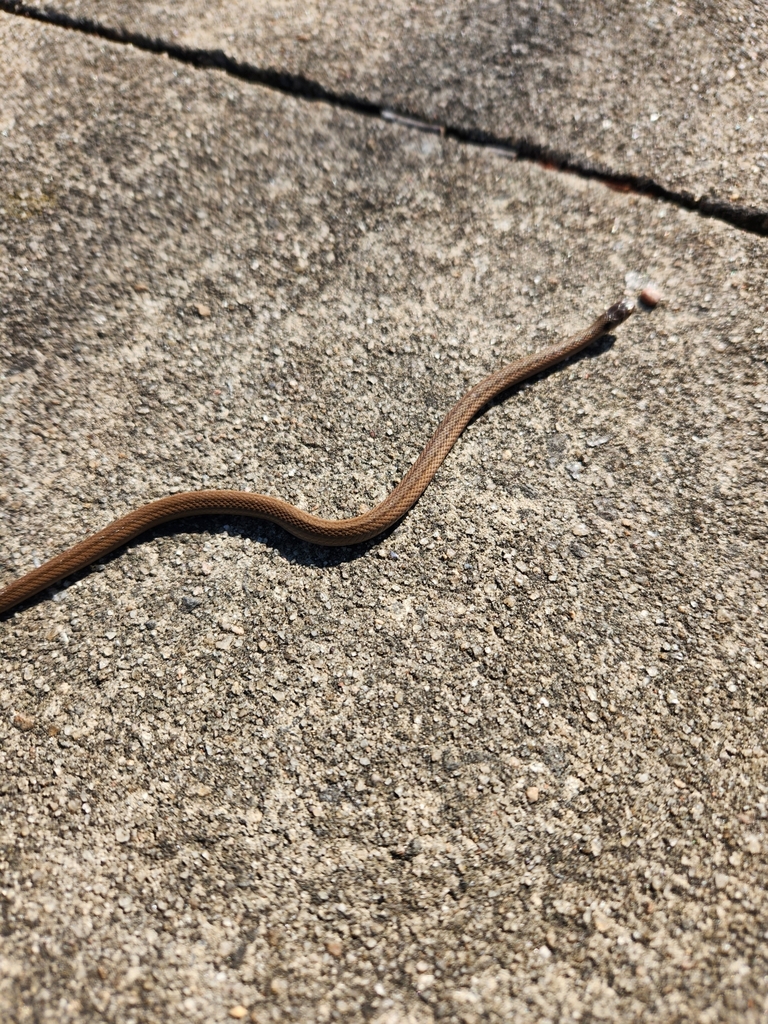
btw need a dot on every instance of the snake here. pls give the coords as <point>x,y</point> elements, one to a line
<point>305,526</point>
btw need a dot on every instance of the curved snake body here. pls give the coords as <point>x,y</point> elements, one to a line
<point>330,532</point>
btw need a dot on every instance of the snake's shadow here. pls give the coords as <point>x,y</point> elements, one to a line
<point>295,551</point>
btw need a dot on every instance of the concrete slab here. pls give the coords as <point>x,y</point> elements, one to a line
<point>507,763</point>
<point>669,91</point>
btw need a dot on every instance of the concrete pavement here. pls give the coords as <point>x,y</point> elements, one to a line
<point>671,92</point>
<point>508,763</point>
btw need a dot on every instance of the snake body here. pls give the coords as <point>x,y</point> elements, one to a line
<point>329,532</point>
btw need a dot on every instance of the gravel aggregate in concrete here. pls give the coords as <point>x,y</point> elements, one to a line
<point>668,90</point>
<point>508,763</point>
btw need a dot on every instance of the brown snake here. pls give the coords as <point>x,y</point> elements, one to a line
<point>330,532</point>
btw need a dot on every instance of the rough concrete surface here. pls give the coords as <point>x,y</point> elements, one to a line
<point>674,91</point>
<point>507,763</point>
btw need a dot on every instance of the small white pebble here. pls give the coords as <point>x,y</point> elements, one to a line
<point>650,297</point>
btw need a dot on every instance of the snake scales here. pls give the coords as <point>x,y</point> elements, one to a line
<point>301,524</point>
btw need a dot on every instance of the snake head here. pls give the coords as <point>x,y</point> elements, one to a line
<point>619,312</point>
